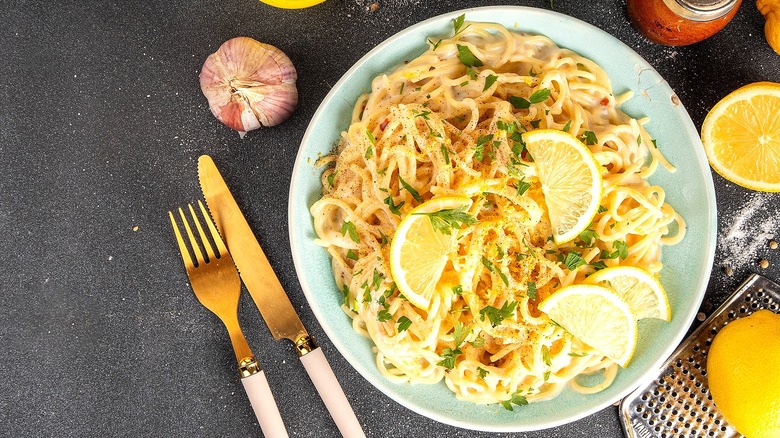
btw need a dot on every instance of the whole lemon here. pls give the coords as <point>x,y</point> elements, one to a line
<point>743,369</point>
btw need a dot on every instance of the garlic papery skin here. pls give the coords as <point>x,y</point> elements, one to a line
<point>249,84</point>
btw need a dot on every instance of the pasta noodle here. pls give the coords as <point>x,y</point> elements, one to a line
<point>419,134</point>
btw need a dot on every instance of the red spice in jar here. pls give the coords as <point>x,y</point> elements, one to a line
<point>681,22</point>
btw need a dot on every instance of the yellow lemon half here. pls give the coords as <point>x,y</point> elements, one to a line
<point>741,136</point>
<point>570,178</point>
<point>743,372</point>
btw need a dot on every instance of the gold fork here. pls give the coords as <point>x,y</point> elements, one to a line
<point>217,286</point>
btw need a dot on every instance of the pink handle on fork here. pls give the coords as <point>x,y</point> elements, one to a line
<point>264,405</point>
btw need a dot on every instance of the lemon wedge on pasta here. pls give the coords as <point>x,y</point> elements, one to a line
<point>638,288</point>
<point>597,317</point>
<point>419,251</point>
<point>570,178</point>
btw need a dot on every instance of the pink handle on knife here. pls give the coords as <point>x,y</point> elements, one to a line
<point>264,405</point>
<point>330,391</point>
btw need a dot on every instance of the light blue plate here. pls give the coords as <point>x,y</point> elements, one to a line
<point>689,190</point>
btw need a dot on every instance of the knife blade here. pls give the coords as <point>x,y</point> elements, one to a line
<point>269,295</point>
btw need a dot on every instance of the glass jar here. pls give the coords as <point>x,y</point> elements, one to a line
<point>681,22</point>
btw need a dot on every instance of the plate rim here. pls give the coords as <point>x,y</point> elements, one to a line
<point>702,278</point>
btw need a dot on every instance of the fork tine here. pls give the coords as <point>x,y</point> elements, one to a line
<point>185,254</point>
<point>206,244</point>
<point>214,233</point>
<point>193,242</point>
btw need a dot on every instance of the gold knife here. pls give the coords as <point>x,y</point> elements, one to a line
<point>269,296</point>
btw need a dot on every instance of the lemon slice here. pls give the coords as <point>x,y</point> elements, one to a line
<point>642,292</point>
<point>570,178</point>
<point>741,136</point>
<point>596,316</point>
<point>419,252</point>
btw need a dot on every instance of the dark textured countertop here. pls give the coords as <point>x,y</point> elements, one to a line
<point>101,124</point>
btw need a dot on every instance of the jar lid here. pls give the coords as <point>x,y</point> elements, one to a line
<point>701,10</point>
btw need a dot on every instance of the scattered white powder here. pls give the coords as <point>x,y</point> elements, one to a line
<point>748,230</point>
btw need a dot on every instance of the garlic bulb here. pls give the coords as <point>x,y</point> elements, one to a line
<point>249,84</point>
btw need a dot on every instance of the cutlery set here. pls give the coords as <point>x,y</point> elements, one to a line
<point>236,256</point>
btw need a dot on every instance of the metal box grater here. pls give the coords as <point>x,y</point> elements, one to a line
<point>678,402</point>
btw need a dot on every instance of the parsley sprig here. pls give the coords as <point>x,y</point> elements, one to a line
<point>444,221</point>
<point>496,315</point>
<point>467,57</point>
<point>537,96</point>
<point>449,355</point>
<point>516,399</point>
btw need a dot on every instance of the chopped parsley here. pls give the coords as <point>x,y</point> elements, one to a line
<point>540,95</point>
<point>489,81</point>
<point>522,186</point>
<point>531,290</point>
<point>345,292</point>
<point>410,189</point>
<point>588,237</point>
<point>384,315</point>
<point>519,102</point>
<point>404,323</point>
<point>492,268</point>
<point>467,57</point>
<point>620,250</point>
<point>460,332</point>
<point>349,227</point>
<point>480,147</point>
<point>477,343</point>
<point>448,356</point>
<point>446,153</point>
<point>457,24</point>
<point>370,136</point>
<point>589,138</point>
<point>573,261</point>
<point>394,208</point>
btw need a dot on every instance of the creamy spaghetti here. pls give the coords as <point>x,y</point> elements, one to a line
<point>450,122</point>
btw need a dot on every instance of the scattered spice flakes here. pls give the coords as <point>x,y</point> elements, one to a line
<point>728,271</point>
